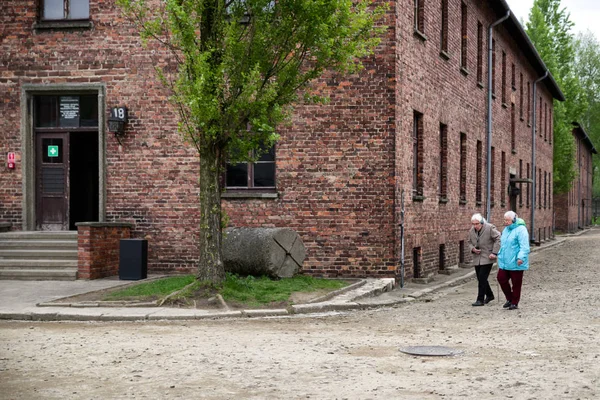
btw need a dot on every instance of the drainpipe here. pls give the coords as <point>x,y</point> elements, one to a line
<point>534,172</point>
<point>579,210</point>
<point>488,189</point>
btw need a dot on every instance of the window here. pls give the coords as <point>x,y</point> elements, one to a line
<point>53,10</point>
<point>539,186</point>
<point>540,126</point>
<point>443,162</point>
<point>545,188</point>
<point>417,154</point>
<point>545,122</point>
<point>259,175</point>
<point>444,31</point>
<point>521,97</point>
<point>463,168</point>
<point>480,53</point>
<point>503,180</point>
<point>73,111</point>
<point>478,178</point>
<point>528,103</point>
<point>513,136</point>
<point>551,132</point>
<point>513,78</point>
<point>550,189</point>
<point>463,35</point>
<point>419,16</point>
<point>503,89</point>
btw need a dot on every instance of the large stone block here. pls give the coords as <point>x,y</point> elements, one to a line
<point>274,252</point>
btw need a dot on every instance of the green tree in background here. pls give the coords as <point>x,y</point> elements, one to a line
<point>241,66</point>
<point>549,28</point>
<point>587,67</point>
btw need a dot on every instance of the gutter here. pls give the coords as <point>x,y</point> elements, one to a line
<point>488,190</point>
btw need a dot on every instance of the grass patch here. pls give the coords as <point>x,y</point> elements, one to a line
<point>249,291</point>
<point>151,290</point>
<point>260,291</point>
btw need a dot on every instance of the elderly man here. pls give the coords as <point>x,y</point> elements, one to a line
<point>513,258</point>
<point>484,243</point>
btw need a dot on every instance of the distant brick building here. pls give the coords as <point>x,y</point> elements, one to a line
<point>574,209</point>
<point>410,129</point>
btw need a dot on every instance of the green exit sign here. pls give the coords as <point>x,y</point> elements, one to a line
<point>52,151</point>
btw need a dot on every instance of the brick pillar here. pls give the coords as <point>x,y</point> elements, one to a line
<point>98,248</point>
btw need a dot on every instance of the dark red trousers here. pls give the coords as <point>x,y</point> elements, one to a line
<point>505,278</point>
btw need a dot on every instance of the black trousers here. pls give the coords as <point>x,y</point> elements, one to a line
<point>483,287</point>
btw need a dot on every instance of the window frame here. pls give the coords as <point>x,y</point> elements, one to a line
<point>250,175</point>
<point>67,6</point>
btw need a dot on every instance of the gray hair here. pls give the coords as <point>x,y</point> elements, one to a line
<point>511,214</point>
<point>478,217</point>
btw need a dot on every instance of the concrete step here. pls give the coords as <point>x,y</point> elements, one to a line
<point>38,244</point>
<point>36,253</point>
<point>41,235</point>
<point>69,274</point>
<point>37,264</point>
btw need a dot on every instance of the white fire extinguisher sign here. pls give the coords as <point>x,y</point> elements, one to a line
<point>11,160</point>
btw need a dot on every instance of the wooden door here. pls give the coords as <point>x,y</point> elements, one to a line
<point>52,181</point>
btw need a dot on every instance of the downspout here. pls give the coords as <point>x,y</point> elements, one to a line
<point>534,172</point>
<point>579,211</point>
<point>488,189</point>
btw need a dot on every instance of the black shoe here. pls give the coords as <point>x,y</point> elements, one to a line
<point>488,299</point>
<point>477,303</point>
<point>513,307</point>
<point>507,304</point>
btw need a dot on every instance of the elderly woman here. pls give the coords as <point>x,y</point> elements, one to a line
<point>484,243</point>
<point>513,258</point>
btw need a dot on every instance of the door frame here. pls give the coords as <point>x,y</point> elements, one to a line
<point>28,92</point>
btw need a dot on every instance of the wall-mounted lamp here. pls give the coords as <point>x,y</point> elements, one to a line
<point>117,121</point>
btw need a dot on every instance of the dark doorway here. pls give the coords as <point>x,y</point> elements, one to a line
<point>83,175</point>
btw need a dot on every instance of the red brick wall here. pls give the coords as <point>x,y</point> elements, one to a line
<point>151,180</point>
<point>341,167</point>
<point>436,87</point>
<point>98,249</point>
<point>574,209</point>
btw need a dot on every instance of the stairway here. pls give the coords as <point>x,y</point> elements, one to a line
<point>38,255</point>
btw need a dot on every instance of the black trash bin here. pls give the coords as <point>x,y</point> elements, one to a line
<point>133,259</point>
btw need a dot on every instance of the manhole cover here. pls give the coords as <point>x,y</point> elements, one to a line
<point>430,351</point>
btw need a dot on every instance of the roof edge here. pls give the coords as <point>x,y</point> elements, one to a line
<point>586,138</point>
<point>521,34</point>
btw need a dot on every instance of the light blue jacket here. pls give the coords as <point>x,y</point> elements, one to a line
<point>514,245</point>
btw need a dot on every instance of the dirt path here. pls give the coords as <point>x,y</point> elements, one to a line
<point>548,349</point>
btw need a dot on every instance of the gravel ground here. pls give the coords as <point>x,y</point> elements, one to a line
<point>548,349</point>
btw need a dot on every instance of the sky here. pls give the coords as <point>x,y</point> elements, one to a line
<point>585,14</point>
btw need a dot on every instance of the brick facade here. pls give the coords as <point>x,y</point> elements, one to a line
<point>574,209</point>
<point>343,169</point>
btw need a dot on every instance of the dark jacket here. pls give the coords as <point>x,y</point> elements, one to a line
<point>488,241</point>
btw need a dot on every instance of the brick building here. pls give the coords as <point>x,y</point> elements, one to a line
<point>574,209</point>
<point>398,159</point>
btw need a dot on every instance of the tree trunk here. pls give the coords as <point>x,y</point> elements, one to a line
<point>211,266</point>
